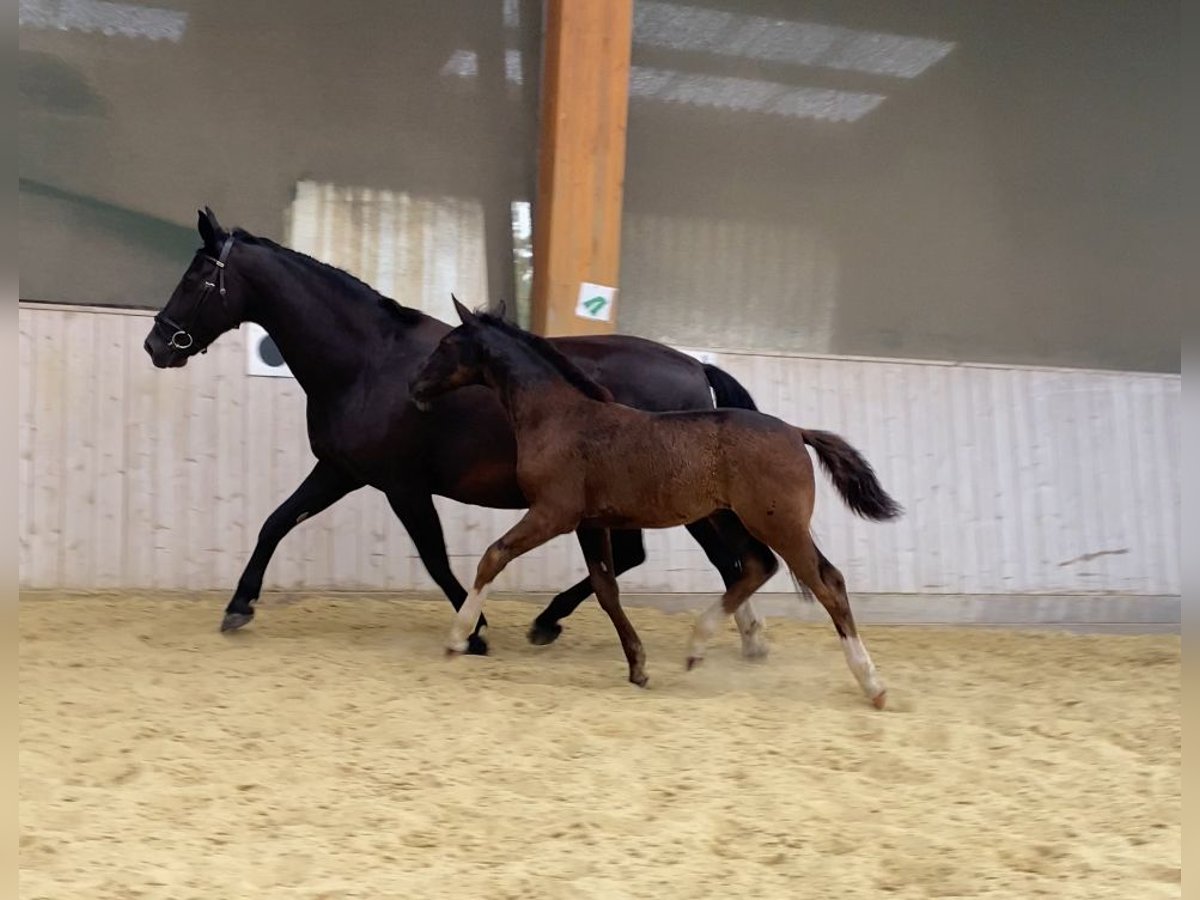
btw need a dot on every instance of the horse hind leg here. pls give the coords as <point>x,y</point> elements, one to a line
<point>750,623</point>
<point>728,543</point>
<point>754,574</point>
<point>827,583</point>
<point>753,630</point>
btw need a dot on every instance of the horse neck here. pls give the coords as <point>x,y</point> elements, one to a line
<point>532,392</point>
<point>325,337</point>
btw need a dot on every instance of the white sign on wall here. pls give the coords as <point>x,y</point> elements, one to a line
<point>262,356</point>
<point>595,302</point>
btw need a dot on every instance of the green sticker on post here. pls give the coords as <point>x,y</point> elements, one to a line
<point>595,302</point>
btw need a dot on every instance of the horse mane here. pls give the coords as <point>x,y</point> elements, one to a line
<point>342,280</point>
<point>541,347</point>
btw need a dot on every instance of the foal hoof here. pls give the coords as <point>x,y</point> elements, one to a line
<point>476,645</point>
<point>540,635</point>
<point>235,620</point>
<point>879,700</point>
<point>756,652</point>
<point>639,678</point>
<point>693,661</point>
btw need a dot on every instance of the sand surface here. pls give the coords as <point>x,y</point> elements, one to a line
<point>330,751</point>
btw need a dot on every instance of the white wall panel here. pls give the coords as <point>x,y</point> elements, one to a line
<point>1014,480</point>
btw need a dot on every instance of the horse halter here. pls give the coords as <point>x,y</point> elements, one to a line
<point>179,337</point>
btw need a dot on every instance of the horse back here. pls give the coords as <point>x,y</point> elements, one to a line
<point>662,469</point>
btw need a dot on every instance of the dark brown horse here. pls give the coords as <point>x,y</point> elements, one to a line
<point>587,462</point>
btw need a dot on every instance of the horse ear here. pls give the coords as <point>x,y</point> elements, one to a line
<point>209,228</point>
<point>467,317</point>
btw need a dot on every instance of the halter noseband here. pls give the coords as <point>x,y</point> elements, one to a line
<point>179,337</point>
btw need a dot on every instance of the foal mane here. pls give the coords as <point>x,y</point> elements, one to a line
<point>542,348</point>
<point>342,280</point>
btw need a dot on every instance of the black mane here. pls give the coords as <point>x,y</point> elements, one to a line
<point>547,351</point>
<point>342,280</point>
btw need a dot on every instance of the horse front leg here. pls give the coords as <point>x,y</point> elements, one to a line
<point>535,528</point>
<point>628,552</point>
<point>597,550</point>
<point>325,485</point>
<point>419,517</point>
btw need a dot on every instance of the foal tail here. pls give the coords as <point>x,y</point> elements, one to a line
<point>853,476</point>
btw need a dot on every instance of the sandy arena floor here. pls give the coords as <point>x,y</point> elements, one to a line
<point>329,751</point>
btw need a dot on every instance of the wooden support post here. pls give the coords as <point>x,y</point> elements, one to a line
<point>581,164</point>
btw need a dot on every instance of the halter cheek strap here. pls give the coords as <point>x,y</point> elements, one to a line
<point>180,337</point>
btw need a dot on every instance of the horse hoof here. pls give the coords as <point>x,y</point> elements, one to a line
<point>639,679</point>
<point>540,635</point>
<point>756,653</point>
<point>693,661</point>
<point>879,700</point>
<point>452,652</point>
<point>476,645</point>
<point>235,620</point>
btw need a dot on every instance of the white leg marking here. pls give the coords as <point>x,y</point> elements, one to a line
<point>860,664</point>
<point>465,619</point>
<point>706,627</point>
<point>753,630</point>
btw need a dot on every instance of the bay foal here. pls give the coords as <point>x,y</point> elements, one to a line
<point>585,461</point>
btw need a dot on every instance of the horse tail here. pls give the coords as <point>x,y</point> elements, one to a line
<point>853,476</point>
<point>727,390</point>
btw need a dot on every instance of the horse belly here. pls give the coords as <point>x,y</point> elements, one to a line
<point>476,466</point>
<point>608,518</point>
<point>662,499</point>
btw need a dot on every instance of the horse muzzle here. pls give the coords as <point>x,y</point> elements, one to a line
<point>163,356</point>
